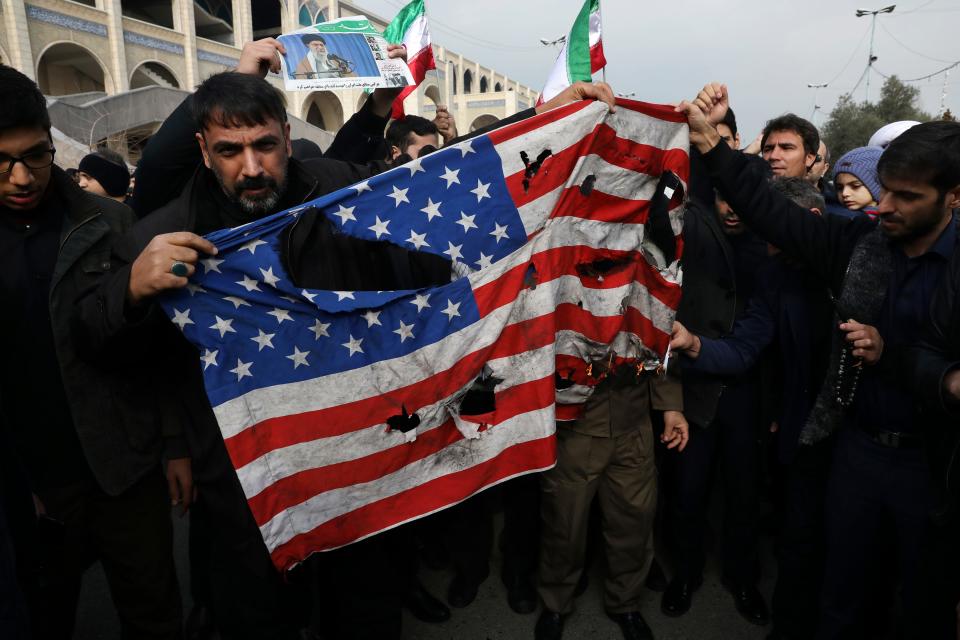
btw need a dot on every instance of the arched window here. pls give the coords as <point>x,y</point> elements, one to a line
<point>467,81</point>
<point>483,84</point>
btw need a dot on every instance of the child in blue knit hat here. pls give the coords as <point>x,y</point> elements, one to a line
<point>855,178</point>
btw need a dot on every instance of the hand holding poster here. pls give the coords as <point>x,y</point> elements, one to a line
<point>348,53</point>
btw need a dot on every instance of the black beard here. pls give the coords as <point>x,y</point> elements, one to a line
<point>255,208</point>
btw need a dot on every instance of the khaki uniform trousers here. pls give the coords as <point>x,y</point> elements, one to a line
<point>616,465</point>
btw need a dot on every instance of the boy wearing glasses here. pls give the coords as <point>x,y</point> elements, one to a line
<point>86,437</point>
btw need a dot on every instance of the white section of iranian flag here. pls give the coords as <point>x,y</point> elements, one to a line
<point>582,53</point>
<point>410,28</point>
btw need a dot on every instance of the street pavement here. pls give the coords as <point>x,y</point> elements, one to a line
<point>712,616</point>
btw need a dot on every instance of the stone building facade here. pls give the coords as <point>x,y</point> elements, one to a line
<point>84,51</point>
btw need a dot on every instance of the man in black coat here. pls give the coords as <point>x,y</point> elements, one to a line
<point>882,278</point>
<point>720,262</point>
<point>88,437</point>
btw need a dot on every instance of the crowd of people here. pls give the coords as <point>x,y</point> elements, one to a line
<point>813,386</point>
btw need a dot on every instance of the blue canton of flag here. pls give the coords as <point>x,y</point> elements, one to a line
<point>453,203</point>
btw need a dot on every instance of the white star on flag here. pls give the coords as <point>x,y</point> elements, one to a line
<point>414,166</point>
<point>344,295</point>
<point>181,318</point>
<point>482,191</point>
<point>467,222</point>
<point>263,340</point>
<point>252,246</point>
<point>372,317</point>
<point>418,240</point>
<point>380,227</point>
<point>268,277</point>
<point>249,284</point>
<point>466,147</point>
<point>345,213</point>
<point>499,232</point>
<point>223,326</point>
<point>432,210</point>
<point>320,329</point>
<point>211,264</point>
<point>450,176</point>
<point>362,186</point>
<point>209,358</point>
<point>454,251</point>
<point>420,301</point>
<point>399,195</point>
<point>280,315</point>
<point>242,370</point>
<point>354,345</point>
<point>309,296</point>
<point>404,331</point>
<point>299,357</point>
<point>237,302</point>
<point>194,289</point>
<point>484,261</point>
<point>452,311</point>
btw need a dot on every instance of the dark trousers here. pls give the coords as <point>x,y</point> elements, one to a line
<point>520,539</point>
<point>13,614</point>
<point>800,543</point>
<point>940,580</point>
<point>250,600</point>
<point>874,491</point>
<point>131,534</point>
<point>468,529</point>
<point>731,440</point>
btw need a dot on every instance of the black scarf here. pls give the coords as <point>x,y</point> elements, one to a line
<point>864,290</point>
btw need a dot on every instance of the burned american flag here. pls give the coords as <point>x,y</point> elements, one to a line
<point>343,411</point>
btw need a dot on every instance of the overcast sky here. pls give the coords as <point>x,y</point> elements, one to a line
<point>766,50</point>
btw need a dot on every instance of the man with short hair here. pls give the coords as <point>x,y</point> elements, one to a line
<point>883,278</point>
<point>789,144</point>
<point>104,173</point>
<point>820,167</point>
<point>411,135</point>
<point>90,437</point>
<point>728,130</point>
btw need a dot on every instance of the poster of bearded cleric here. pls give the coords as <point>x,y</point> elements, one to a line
<point>348,53</point>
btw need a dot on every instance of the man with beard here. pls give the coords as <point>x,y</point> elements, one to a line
<point>247,174</point>
<point>882,278</point>
<point>320,63</point>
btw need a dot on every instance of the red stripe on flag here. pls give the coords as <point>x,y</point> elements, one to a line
<point>418,65</point>
<point>427,498</point>
<point>569,412</point>
<point>597,60</point>
<point>659,111</point>
<point>293,490</point>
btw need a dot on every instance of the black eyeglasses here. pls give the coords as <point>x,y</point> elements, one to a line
<point>33,160</point>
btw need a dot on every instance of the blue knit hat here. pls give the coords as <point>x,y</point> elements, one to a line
<point>861,162</point>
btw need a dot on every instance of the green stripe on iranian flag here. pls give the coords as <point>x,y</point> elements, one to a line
<point>582,54</point>
<point>410,28</point>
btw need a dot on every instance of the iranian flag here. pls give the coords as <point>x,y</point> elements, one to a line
<point>410,29</point>
<point>582,54</point>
